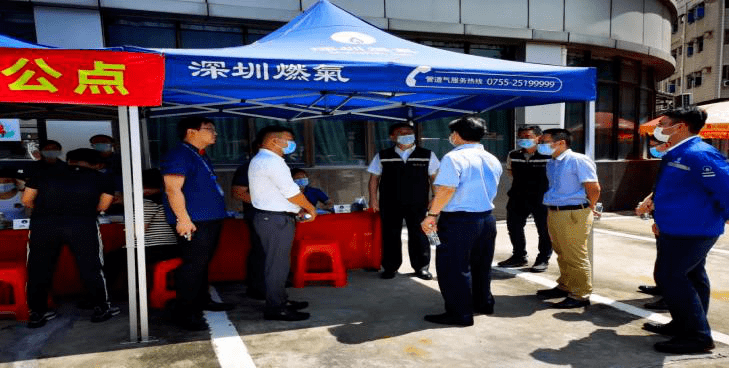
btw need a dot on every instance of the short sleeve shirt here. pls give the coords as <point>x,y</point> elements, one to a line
<point>567,174</point>
<point>204,199</point>
<point>315,195</point>
<point>475,174</point>
<point>72,192</point>
<point>376,166</point>
<point>271,184</point>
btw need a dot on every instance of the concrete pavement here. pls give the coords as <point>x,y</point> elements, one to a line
<point>378,323</point>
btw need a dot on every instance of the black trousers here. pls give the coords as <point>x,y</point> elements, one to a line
<point>517,211</point>
<point>255,264</point>
<point>463,261</point>
<point>47,236</point>
<point>418,246</point>
<point>191,278</point>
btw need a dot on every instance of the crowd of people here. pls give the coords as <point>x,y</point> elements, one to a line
<point>559,188</point>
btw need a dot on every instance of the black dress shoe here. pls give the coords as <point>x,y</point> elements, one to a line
<point>255,294</point>
<point>387,275</point>
<point>424,274</point>
<point>539,267</point>
<point>193,322</point>
<point>285,315</point>
<point>292,305</point>
<point>489,309</point>
<point>218,307</point>
<point>667,329</point>
<point>555,292</point>
<point>569,303</point>
<point>650,290</point>
<point>447,319</point>
<point>659,304</point>
<point>684,345</point>
<point>513,262</point>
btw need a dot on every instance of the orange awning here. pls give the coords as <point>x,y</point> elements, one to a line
<point>717,122</point>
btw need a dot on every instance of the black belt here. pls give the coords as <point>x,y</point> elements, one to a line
<point>571,207</point>
<point>281,213</point>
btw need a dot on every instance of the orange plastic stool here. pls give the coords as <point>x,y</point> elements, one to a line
<point>308,247</point>
<point>16,276</point>
<point>160,293</point>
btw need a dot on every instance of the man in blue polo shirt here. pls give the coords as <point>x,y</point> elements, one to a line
<point>570,199</point>
<point>691,207</point>
<point>195,208</point>
<point>465,189</point>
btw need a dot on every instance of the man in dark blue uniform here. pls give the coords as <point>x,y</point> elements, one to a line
<point>402,174</point>
<point>65,204</point>
<point>691,207</point>
<point>196,208</point>
<point>528,169</point>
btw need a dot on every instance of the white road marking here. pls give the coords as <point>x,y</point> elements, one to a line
<point>228,345</point>
<point>648,239</point>
<point>658,318</point>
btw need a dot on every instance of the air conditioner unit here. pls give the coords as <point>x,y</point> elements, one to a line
<point>725,83</point>
<point>683,100</point>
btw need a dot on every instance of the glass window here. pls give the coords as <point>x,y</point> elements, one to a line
<point>298,158</point>
<point>629,72</point>
<point>604,121</point>
<point>450,46</point>
<point>626,123</point>
<point>435,134</point>
<point>699,44</point>
<point>19,140</point>
<point>232,145</point>
<point>122,32</point>
<point>382,136</point>
<point>574,121</point>
<point>18,23</point>
<point>493,51</point>
<point>254,35</point>
<point>340,142</point>
<point>204,37</point>
<point>605,68</point>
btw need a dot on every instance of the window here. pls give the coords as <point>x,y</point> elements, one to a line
<point>690,16</point>
<point>689,49</point>
<point>726,36</point>
<point>689,81</point>
<point>699,10</point>
<point>680,50</point>
<point>340,142</point>
<point>120,32</point>
<point>672,86</point>
<point>17,22</point>
<point>700,44</point>
<point>674,27</point>
<point>697,79</point>
<point>194,36</point>
<point>725,72</point>
<point>674,53</point>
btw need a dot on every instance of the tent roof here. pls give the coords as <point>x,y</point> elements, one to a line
<point>328,63</point>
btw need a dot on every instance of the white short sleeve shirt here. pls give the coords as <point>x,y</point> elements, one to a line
<point>271,184</point>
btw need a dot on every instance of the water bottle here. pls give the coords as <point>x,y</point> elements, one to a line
<point>433,239</point>
<point>598,209</point>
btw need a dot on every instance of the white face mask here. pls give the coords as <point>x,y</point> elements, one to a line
<point>658,133</point>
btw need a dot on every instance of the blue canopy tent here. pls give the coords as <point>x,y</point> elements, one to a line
<point>327,62</point>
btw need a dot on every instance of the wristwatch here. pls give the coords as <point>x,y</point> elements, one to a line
<point>432,214</point>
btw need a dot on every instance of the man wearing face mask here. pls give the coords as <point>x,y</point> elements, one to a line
<point>570,199</point>
<point>403,175</point>
<point>691,208</point>
<point>110,165</point>
<point>278,202</point>
<point>314,195</point>
<point>11,205</point>
<point>50,161</point>
<point>528,169</point>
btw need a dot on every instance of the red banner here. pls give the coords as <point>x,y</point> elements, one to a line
<point>89,77</point>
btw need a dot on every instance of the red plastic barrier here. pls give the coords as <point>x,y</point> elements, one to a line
<point>229,260</point>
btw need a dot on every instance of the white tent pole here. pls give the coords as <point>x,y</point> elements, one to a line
<point>136,151</point>
<point>590,152</point>
<point>129,222</point>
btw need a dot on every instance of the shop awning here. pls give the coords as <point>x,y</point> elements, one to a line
<point>717,122</point>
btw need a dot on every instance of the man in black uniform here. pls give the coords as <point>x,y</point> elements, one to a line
<point>403,174</point>
<point>65,205</point>
<point>528,169</point>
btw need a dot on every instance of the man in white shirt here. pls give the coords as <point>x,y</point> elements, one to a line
<point>403,175</point>
<point>277,201</point>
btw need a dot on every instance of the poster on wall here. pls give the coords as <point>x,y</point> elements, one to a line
<point>9,130</point>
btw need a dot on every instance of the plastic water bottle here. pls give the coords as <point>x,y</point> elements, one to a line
<point>598,209</point>
<point>433,239</point>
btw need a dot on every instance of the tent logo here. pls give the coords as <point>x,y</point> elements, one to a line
<point>353,38</point>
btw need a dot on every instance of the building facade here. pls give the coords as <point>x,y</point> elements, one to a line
<point>628,41</point>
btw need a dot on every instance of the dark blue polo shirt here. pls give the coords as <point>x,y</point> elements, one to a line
<point>203,196</point>
<point>315,195</point>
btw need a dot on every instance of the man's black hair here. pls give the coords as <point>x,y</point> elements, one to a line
<point>559,134</point>
<point>264,132</point>
<point>88,155</point>
<point>397,126</point>
<point>49,142</point>
<point>693,116</point>
<point>191,122</point>
<point>470,128</point>
<point>295,171</point>
<point>534,128</point>
<point>91,140</point>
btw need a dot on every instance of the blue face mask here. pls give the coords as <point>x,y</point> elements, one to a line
<point>290,148</point>
<point>406,139</point>
<point>656,153</point>
<point>302,182</point>
<point>525,143</point>
<point>545,149</point>
<point>102,147</point>
<point>51,154</point>
<point>6,187</point>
